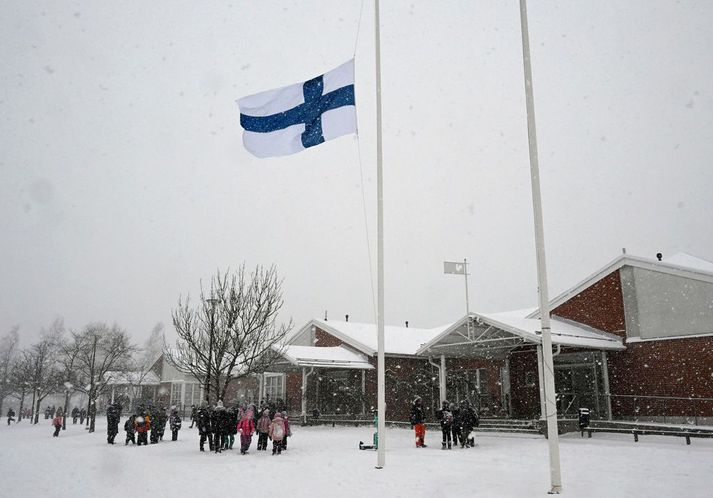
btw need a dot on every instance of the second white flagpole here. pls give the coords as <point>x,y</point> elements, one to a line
<point>551,407</point>
<point>380,367</point>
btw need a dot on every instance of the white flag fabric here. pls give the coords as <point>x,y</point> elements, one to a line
<point>454,268</point>
<point>293,118</point>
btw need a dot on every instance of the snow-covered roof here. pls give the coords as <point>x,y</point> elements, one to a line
<point>362,336</point>
<point>329,357</point>
<point>506,330</point>
<point>685,260</point>
<point>680,265</point>
<point>564,332</point>
<point>145,378</point>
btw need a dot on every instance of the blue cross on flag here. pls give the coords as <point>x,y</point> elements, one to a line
<point>290,119</point>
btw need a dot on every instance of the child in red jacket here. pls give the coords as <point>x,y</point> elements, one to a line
<point>246,427</point>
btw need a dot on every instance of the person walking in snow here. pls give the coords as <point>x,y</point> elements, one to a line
<point>231,427</point>
<point>445,417</point>
<point>194,414</point>
<point>456,424</point>
<point>161,419</point>
<point>82,415</point>
<point>112,423</point>
<point>219,423</point>
<point>142,425</point>
<point>75,415</point>
<point>246,427</point>
<point>175,424</point>
<point>288,433</point>
<point>263,427</point>
<point>203,417</point>
<point>10,416</point>
<point>469,420</point>
<point>276,432</point>
<point>417,422</point>
<point>57,423</point>
<point>129,429</point>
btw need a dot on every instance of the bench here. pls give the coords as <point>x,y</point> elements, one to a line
<point>647,432</point>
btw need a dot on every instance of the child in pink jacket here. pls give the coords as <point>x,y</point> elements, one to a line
<point>277,433</point>
<point>57,422</point>
<point>246,427</point>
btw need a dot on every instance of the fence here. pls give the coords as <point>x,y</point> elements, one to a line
<point>665,409</point>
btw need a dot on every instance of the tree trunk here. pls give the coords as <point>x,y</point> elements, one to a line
<point>22,405</point>
<point>33,416</point>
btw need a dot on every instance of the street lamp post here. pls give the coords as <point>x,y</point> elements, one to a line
<point>212,301</point>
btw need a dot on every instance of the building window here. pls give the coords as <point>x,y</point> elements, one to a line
<point>176,393</point>
<point>274,386</point>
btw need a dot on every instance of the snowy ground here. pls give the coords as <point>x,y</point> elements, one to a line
<point>325,461</point>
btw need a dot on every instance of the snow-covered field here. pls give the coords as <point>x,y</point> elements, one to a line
<point>325,461</point>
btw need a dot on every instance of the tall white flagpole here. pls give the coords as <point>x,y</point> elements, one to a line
<point>552,437</point>
<point>381,367</point>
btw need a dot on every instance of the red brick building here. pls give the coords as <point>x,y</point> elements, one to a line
<point>633,340</point>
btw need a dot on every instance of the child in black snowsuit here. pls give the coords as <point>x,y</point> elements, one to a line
<point>10,416</point>
<point>455,425</point>
<point>175,423</point>
<point>445,417</point>
<point>129,428</point>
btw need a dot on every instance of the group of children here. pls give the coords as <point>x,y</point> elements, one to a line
<point>457,424</point>
<point>219,426</point>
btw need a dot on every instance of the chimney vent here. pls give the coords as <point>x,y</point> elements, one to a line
<point>659,256</point>
<point>623,250</point>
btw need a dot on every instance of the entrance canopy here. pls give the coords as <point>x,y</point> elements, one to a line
<point>492,335</point>
<point>323,357</point>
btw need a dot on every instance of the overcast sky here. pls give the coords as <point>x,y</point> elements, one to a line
<point>124,181</point>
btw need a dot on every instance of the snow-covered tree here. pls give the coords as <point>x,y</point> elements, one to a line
<point>101,349</point>
<point>8,356</point>
<point>232,332</point>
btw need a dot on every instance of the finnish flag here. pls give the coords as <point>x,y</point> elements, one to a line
<point>290,119</point>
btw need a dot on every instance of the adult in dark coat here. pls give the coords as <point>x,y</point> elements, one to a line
<point>219,424</point>
<point>82,415</point>
<point>455,426</point>
<point>231,428</point>
<point>75,415</point>
<point>161,419</point>
<point>203,417</point>
<point>194,415</point>
<point>469,420</point>
<point>112,423</point>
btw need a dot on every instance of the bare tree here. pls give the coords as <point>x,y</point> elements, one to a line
<point>101,350</point>
<point>67,360</point>
<point>21,381</point>
<point>45,376</point>
<point>232,332</point>
<point>8,356</point>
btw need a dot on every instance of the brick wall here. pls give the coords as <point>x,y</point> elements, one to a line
<point>672,368</point>
<point>600,306</point>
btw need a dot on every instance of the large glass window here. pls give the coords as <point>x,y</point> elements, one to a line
<point>274,386</point>
<point>176,393</point>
